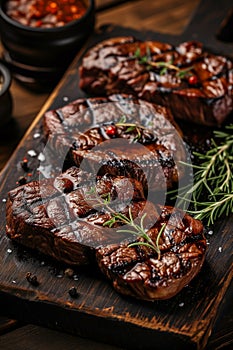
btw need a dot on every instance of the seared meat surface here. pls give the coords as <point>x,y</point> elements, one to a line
<point>196,85</point>
<point>61,217</point>
<point>138,270</point>
<point>65,219</point>
<point>145,143</point>
<point>90,214</point>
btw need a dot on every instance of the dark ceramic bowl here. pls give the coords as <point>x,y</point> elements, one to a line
<point>5,96</point>
<point>41,55</point>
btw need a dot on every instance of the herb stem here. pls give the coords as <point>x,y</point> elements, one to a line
<point>212,190</point>
<point>117,217</point>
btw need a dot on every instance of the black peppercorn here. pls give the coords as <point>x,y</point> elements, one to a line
<point>32,279</point>
<point>24,164</point>
<point>21,180</point>
<point>73,292</point>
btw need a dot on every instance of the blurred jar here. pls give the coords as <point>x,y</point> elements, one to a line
<point>5,95</point>
<point>38,50</point>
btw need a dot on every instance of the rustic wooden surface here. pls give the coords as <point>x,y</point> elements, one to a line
<point>170,16</point>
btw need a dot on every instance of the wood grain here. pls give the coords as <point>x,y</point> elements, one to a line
<point>39,338</point>
<point>161,17</point>
<point>6,325</point>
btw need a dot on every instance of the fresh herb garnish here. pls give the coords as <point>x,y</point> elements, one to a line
<point>213,176</point>
<point>118,218</point>
<point>131,127</point>
<point>146,60</point>
<point>137,230</point>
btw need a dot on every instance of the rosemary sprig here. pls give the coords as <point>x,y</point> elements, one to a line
<point>212,190</point>
<point>146,59</point>
<point>137,230</point>
<point>131,127</point>
<point>116,217</point>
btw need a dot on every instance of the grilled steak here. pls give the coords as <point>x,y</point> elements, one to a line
<point>71,220</point>
<point>61,218</point>
<point>145,146</point>
<point>196,85</point>
<point>139,272</point>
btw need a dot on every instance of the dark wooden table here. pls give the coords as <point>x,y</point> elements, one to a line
<point>168,17</point>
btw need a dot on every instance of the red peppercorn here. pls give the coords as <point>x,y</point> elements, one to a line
<point>193,80</point>
<point>111,130</point>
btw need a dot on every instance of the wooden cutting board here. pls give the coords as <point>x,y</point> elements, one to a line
<point>99,312</point>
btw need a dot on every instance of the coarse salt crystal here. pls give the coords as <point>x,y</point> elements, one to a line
<point>220,249</point>
<point>9,251</point>
<point>41,157</point>
<point>65,98</point>
<point>32,153</point>
<point>181,304</point>
<point>4,200</point>
<point>36,135</point>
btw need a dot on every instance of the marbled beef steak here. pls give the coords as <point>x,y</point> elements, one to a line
<point>196,85</point>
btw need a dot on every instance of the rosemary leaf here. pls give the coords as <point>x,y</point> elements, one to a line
<point>136,229</point>
<point>162,65</point>
<point>212,190</point>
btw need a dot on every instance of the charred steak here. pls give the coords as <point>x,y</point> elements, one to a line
<point>86,129</point>
<point>76,217</point>
<point>137,270</point>
<point>60,218</point>
<point>196,85</point>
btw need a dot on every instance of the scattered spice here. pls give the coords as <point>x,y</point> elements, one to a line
<point>111,130</point>
<point>24,164</point>
<point>193,80</point>
<point>41,157</point>
<point>32,279</point>
<point>21,180</point>
<point>36,135</point>
<point>32,153</point>
<point>73,292</point>
<point>69,273</point>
